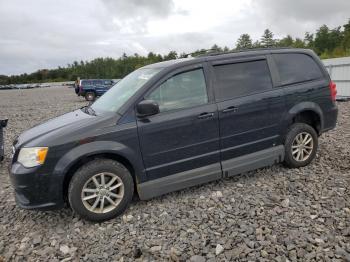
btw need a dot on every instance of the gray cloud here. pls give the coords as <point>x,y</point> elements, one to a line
<point>311,10</point>
<point>139,8</point>
<point>131,16</point>
<point>296,17</point>
<point>41,34</point>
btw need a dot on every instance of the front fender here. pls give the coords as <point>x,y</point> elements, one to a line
<point>95,148</point>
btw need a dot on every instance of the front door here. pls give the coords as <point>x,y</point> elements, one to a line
<point>180,145</point>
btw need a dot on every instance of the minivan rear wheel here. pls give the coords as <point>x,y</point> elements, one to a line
<point>300,145</point>
<point>100,190</point>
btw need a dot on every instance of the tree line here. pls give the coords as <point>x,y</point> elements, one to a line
<point>326,42</point>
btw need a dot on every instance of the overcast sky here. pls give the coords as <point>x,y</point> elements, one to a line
<point>40,34</point>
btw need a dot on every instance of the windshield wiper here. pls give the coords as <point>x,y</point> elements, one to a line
<point>91,111</point>
<point>88,110</point>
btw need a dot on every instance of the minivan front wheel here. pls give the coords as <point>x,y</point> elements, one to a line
<point>300,145</point>
<point>90,96</point>
<point>100,190</point>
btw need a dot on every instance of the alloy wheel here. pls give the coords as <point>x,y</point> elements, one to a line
<point>302,146</point>
<point>102,193</point>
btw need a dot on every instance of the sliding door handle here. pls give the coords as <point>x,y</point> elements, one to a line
<point>205,115</point>
<point>230,109</point>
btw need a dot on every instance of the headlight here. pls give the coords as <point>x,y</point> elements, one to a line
<point>32,156</point>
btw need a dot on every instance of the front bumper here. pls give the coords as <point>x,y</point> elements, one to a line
<point>35,189</point>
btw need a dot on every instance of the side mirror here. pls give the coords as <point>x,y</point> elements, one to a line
<point>147,108</point>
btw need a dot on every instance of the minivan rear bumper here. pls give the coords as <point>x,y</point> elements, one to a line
<point>330,119</point>
<point>34,189</point>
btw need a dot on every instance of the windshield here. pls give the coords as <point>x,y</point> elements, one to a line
<point>115,97</point>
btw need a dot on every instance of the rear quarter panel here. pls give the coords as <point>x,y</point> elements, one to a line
<point>311,95</point>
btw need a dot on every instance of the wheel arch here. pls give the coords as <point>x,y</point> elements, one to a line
<point>309,113</point>
<point>107,155</point>
<point>74,159</point>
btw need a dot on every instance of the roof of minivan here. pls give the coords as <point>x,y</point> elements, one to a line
<point>222,55</point>
<point>169,63</point>
<point>91,79</point>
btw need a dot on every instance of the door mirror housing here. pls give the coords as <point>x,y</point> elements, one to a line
<point>147,108</point>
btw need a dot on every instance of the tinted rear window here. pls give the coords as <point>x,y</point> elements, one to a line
<point>239,79</point>
<point>296,68</point>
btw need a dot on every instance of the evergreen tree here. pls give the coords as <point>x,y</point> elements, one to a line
<point>256,44</point>
<point>244,42</point>
<point>267,39</point>
<point>226,49</point>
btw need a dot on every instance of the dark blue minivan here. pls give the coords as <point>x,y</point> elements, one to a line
<point>176,124</point>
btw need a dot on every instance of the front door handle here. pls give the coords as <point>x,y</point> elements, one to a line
<point>205,115</point>
<point>230,108</point>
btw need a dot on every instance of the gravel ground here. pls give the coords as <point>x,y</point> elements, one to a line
<point>271,214</point>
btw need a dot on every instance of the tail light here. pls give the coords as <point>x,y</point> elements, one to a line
<point>333,88</point>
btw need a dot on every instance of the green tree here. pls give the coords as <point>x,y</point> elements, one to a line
<point>309,40</point>
<point>321,43</point>
<point>267,39</point>
<point>244,42</point>
<point>286,41</point>
<point>256,44</point>
<point>171,55</point>
<point>216,48</point>
<point>298,43</point>
<point>346,36</point>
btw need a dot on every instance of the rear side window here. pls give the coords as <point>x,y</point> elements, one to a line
<point>296,68</point>
<point>239,79</point>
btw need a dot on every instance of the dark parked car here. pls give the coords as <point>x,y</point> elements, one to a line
<point>176,124</point>
<point>92,88</point>
<point>3,124</point>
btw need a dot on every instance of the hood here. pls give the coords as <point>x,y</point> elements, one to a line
<point>55,127</point>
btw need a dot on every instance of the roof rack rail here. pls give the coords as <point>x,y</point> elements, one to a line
<point>241,50</point>
<point>201,52</point>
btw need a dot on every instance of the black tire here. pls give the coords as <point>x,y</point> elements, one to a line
<point>295,130</point>
<point>90,96</point>
<point>85,174</point>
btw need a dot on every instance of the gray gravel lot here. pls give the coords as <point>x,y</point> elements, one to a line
<point>271,214</point>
